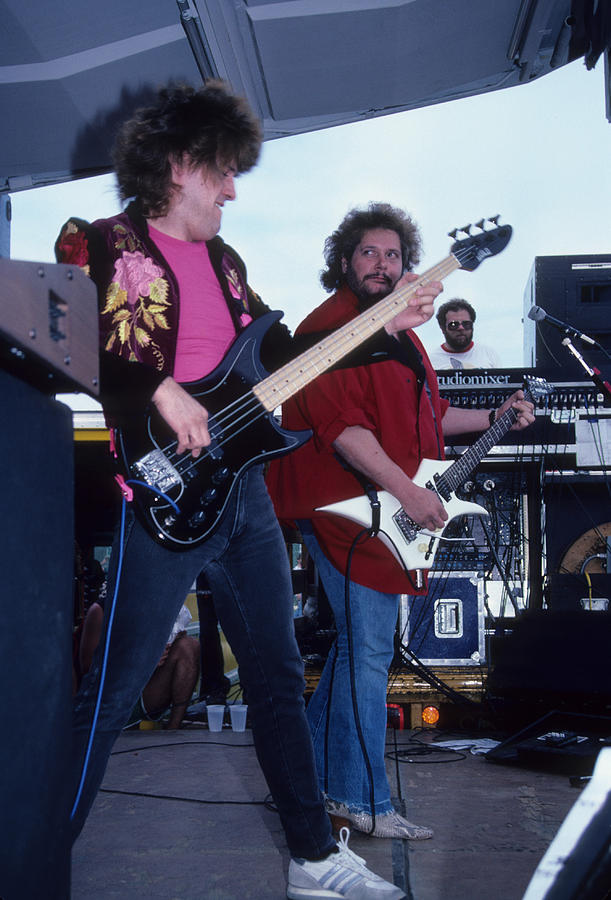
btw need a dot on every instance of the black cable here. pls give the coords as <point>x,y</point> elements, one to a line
<point>185,799</point>
<point>397,771</point>
<point>161,746</point>
<point>267,803</point>
<point>409,753</point>
<point>357,722</point>
<point>412,662</point>
<point>327,724</point>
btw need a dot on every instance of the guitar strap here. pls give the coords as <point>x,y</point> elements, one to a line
<point>417,365</point>
<point>379,348</point>
<point>370,492</point>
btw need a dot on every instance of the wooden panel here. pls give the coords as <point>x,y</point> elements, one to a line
<point>49,325</point>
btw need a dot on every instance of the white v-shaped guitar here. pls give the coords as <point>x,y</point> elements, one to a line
<point>413,546</point>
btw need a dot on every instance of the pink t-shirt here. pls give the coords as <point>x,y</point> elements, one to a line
<point>205,327</point>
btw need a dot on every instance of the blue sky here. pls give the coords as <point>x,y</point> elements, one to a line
<point>538,154</point>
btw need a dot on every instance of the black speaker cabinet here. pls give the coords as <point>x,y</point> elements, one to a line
<point>575,290</point>
<point>36,588</point>
<point>577,540</point>
<point>553,660</point>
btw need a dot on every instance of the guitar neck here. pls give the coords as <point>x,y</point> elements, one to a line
<point>458,472</point>
<point>277,388</point>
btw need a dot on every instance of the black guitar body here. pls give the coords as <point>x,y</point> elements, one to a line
<point>179,499</point>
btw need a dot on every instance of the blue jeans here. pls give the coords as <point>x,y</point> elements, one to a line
<point>341,753</point>
<point>247,568</point>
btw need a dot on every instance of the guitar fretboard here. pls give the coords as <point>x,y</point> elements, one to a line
<point>277,388</point>
<point>459,471</point>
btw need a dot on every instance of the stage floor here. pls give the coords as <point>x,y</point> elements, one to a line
<point>182,815</point>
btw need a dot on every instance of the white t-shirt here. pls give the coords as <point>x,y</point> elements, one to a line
<point>477,356</point>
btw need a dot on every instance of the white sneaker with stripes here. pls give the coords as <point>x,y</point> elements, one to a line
<point>342,874</point>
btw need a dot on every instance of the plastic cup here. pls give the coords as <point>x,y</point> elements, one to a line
<point>237,711</point>
<point>216,713</point>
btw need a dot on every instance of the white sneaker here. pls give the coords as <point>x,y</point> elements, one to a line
<point>342,874</point>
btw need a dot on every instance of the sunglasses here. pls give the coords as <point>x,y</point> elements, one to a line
<point>454,326</point>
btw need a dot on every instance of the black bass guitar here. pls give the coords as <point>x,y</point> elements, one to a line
<point>179,499</point>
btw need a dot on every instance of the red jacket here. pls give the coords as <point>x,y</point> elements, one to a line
<point>384,397</point>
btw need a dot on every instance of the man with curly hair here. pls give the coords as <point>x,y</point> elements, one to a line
<point>173,296</point>
<point>375,418</point>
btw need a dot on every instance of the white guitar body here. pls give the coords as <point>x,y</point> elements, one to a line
<point>413,547</point>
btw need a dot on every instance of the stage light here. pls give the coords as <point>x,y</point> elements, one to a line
<point>430,715</point>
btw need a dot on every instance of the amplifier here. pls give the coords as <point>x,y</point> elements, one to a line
<point>576,290</point>
<point>49,326</point>
<point>446,627</point>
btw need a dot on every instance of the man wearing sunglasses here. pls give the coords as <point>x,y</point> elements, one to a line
<point>458,351</point>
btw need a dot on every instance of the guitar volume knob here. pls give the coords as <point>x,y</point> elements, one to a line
<point>220,475</point>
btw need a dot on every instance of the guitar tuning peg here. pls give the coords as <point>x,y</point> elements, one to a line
<point>480,224</point>
<point>495,220</point>
<point>453,233</point>
<point>466,229</point>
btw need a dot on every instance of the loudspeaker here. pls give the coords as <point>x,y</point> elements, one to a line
<point>577,525</point>
<point>36,585</point>
<point>576,290</point>
<point>552,660</point>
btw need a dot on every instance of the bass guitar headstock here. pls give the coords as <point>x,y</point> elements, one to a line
<point>473,249</point>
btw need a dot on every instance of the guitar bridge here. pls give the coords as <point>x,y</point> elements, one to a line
<point>155,469</point>
<point>408,528</point>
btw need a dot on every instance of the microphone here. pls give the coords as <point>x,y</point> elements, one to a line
<point>539,315</point>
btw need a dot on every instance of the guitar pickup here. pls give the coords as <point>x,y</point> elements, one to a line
<point>155,469</point>
<point>214,450</point>
<point>438,488</point>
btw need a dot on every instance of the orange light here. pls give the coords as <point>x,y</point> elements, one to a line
<point>430,715</point>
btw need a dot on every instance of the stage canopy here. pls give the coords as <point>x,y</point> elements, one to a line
<point>70,73</point>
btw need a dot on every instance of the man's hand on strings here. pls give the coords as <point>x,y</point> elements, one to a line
<point>186,417</point>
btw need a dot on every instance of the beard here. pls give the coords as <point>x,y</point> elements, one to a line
<point>368,290</point>
<point>459,344</point>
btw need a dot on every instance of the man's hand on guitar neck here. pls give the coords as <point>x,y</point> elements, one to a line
<point>186,417</point>
<point>461,421</point>
<point>524,410</point>
<point>421,305</point>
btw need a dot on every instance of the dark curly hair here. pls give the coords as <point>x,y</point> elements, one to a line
<point>212,125</point>
<point>453,305</point>
<point>344,240</point>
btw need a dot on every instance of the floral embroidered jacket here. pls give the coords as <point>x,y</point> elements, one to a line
<point>139,304</point>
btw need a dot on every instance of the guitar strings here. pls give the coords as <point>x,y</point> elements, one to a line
<point>463,466</point>
<point>237,413</point>
<point>456,475</point>
<point>334,345</point>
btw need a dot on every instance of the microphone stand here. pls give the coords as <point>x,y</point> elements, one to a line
<point>594,374</point>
